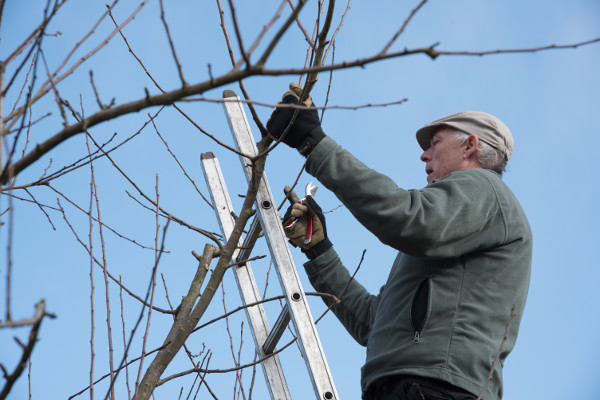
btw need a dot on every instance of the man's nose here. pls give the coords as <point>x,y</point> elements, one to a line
<point>426,156</point>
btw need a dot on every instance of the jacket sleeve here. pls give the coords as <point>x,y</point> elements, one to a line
<point>453,216</point>
<point>357,307</point>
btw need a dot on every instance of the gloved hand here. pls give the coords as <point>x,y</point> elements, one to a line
<point>295,226</point>
<point>306,131</point>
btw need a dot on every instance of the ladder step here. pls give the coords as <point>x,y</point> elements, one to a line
<point>250,240</point>
<point>282,322</point>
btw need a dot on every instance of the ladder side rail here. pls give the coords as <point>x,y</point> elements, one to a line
<point>301,317</point>
<point>245,280</point>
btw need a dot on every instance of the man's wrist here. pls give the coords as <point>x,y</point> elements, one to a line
<point>318,249</point>
<point>311,141</point>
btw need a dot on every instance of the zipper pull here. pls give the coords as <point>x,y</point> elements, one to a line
<point>417,337</point>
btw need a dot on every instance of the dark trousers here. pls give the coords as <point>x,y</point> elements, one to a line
<point>405,387</point>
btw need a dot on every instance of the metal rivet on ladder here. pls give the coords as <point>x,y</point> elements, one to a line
<point>296,296</point>
<point>328,395</point>
<point>266,204</point>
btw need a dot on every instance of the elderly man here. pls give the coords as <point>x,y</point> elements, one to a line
<point>435,327</point>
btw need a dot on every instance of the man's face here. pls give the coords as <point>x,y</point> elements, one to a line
<point>445,155</point>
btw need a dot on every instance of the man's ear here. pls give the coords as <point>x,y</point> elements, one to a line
<point>472,144</point>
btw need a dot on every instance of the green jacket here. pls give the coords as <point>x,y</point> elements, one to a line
<point>464,259</point>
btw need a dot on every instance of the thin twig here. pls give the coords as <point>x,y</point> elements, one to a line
<point>337,30</point>
<point>97,95</point>
<point>45,87</point>
<point>98,263</point>
<point>203,378</point>
<point>29,377</point>
<point>153,285</point>
<point>31,124</point>
<point>40,312</point>
<point>259,37</point>
<point>288,194</point>
<point>187,351</point>
<point>104,268</point>
<point>164,20</point>
<point>403,27</point>
<point>181,222</point>
<point>224,371</point>
<point>76,165</point>
<point>307,37</point>
<point>101,223</point>
<point>336,299</point>
<point>125,365</point>
<point>238,34</point>
<point>311,78</point>
<point>41,207</point>
<point>9,168</point>
<point>275,298</point>
<point>280,33</point>
<point>295,106</point>
<point>17,72</point>
<point>36,32</point>
<point>140,316</point>
<point>236,66</point>
<point>238,377</point>
<point>214,138</point>
<point>489,379</point>
<point>124,341</point>
<point>92,287</point>
<point>211,235</point>
<point>57,95</point>
<point>179,163</point>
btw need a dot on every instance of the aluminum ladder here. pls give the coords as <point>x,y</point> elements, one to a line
<point>268,222</point>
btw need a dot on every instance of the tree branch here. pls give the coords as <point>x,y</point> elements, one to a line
<point>178,333</point>
<point>36,321</point>
<point>489,379</point>
<point>234,76</point>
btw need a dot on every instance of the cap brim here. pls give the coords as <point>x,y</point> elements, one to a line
<point>425,134</point>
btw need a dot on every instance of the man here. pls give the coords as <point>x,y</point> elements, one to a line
<point>435,327</point>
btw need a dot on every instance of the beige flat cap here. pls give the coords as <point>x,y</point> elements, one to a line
<point>486,126</point>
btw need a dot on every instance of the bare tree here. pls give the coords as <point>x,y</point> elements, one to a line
<point>74,146</point>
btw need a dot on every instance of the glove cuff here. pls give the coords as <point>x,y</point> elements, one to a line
<point>311,141</point>
<point>318,249</point>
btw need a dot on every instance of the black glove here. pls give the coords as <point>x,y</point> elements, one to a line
<point>295,226</point>
<point>306,131</point>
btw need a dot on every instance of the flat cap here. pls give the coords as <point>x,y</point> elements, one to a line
<point>487,127</point>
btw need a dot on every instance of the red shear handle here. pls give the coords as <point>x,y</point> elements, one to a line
<point>293,197</point>
<point>309,229</point>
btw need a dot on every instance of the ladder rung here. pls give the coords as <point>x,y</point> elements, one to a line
<point>250,240</point>
<point>282,322</point>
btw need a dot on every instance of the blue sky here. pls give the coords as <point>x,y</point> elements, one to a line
<point>548,99</point>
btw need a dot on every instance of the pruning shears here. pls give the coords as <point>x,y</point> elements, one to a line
<point>311,190</point>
